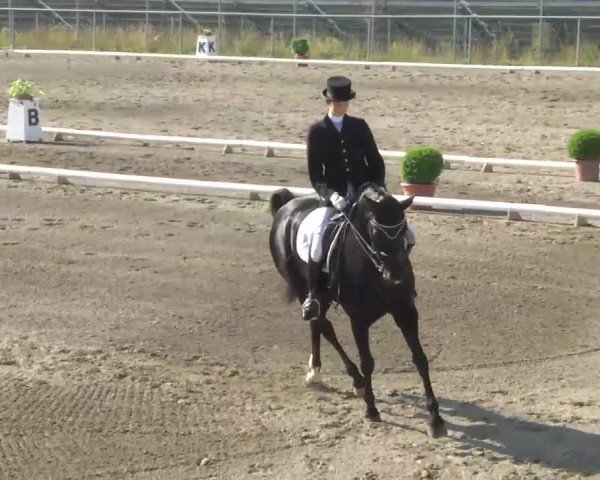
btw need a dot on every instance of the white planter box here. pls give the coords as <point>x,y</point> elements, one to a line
<point>24,121</point>
<point>206,46</point>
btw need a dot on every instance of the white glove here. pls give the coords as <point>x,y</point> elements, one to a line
<point>338,201</point>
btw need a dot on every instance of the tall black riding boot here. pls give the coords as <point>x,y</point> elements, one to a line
<point>311,308</point>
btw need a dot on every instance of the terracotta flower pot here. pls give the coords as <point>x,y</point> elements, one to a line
<point>587,170</point>
<point>301,56</point>
<point>419,190</point>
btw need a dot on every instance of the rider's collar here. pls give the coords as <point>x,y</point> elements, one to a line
<point>335,118</point>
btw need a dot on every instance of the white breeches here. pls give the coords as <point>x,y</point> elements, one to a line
<point>316,242</point>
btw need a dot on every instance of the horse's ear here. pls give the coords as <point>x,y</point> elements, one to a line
<point>404,204</point>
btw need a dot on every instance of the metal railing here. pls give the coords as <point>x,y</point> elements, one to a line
<point>370,30</point>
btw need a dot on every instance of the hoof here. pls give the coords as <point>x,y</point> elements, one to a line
<point>437,429</point>
<point>359,392</point>
<point>373,416</point>
<point>313,378</point>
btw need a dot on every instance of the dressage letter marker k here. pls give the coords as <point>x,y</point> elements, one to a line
<point>204,45</point>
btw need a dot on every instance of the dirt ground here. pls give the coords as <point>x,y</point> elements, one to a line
<point>146,335</point>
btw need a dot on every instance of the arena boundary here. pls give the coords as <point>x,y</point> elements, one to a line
<point>269,146</point>
<point>365,64</point>
<point>513,211</point>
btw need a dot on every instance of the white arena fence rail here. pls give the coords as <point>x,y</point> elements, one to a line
<point>487,163</point>
<point>366,64</point>
<point>579,216</point>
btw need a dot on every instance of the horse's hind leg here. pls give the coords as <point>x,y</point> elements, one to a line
<point>313,377</point>
<point>358,380</point>
<point>408,321</point>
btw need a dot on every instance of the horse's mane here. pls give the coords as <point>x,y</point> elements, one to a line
<point>376,194</point>
<point>371,190</point>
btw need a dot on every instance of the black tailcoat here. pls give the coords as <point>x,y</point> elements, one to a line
<point>336,158</point>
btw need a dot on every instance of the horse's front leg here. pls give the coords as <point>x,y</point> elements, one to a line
<point>408,321</point>
<point>367,365</point>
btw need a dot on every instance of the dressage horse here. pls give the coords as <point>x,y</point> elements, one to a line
<point>375,277</point>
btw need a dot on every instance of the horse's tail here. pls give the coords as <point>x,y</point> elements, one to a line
<point>279,198</point>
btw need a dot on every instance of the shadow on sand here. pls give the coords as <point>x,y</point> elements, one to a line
<point>552,446</point>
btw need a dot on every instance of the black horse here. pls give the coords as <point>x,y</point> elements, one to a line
<point>375,277</point>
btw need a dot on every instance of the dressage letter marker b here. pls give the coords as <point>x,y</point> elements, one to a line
<point>33,117</point>
<point>24,121</point>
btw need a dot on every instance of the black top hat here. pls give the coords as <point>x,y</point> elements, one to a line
<point>339,89</point>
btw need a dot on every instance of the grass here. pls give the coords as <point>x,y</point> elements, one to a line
<point>249,42</point>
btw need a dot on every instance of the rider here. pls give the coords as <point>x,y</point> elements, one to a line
<point>342,155</point>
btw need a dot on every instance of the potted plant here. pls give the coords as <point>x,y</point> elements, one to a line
<point>24,123</point>
<point>300,48</point>
<point>584,147</point>
<point>21,89</point>
<point>420,170</point>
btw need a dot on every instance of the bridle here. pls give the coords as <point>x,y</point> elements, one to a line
<point>375,225</point>
<point>388,231</point>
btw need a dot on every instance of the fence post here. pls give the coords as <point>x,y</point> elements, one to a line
<point>454,26</point>
<point>11,24</point>
<point>368,39</point>
<point>272,37</point>
<point>13,32</point>
<point>373,11</point>
<point>389,33</point>
<point>373,38</point>
<point>465,36</point>
<point>181,33</point>
<point>77,21</point>
<point>541,35</point>
<point>578,42</point>
<point>104,21</point>
<point>147,27</point>
<point>470,40</point>
<point>541,30</point>
<point>37,20</point>
<point>219,25</point>
<point>314,27</point>
<point>94,31</point>
<point>294,20</point>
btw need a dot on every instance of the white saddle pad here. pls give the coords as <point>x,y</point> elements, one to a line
<point>311,225</point>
